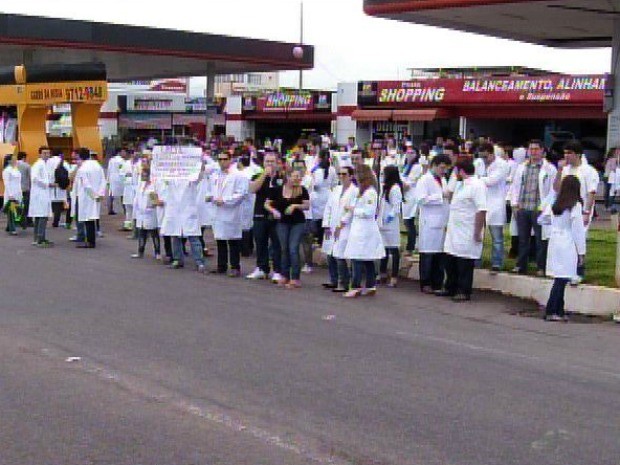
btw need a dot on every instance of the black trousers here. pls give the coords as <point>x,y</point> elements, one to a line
<point>432,270</point>
<point>143,235</point>
<point>247,243</point>
<point>395,253</point>
<point>91,232</point>
<point>228,250</point>
<point>526,221</point>
<point>459,275</point>
<point>168,247</point>
<point>57,209</point>
<point>25,220</point>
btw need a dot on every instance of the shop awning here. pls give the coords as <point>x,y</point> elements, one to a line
<point>372,115</point>
<point>425,114</point>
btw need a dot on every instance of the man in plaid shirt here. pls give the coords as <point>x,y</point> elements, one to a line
<point>532,184</point>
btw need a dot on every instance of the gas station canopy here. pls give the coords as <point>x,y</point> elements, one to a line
<point>556,23</point>
<point>140,53</point>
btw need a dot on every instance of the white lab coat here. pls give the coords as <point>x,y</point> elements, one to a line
<point>145,212</point>
<point>161,189</point>
<point>390,229</point>
<point>90,185</point>
<point>129,175</point>
<point>588,180</point>
<point>410,205</point>
<point>206,210</point>
<point>335,215</point>
<point>115,180</point>
<point>56,193</point>
<point>567,241</point>
<point>12,179</point>
<point>180,218</point>
<point>321,188</point>
<point>470,197</point>
<point>434,211</point>
<point>247,206</point>
<point>232,188</point>
<point>494,177</point>
<point>40,201</point>
<point>364,241</point>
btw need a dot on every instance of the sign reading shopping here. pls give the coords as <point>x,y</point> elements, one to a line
<point>174,163</point>
<point>289,101</point>
<point>427,92</point>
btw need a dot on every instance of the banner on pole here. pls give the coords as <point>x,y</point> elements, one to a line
<point>176,163</point>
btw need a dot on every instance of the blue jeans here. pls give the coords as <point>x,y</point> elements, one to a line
<point>555,304</point>
<point>361,266</point>
<point>196,246</point>
<point>289,236</point>
<point>81,232</point>
<point>497,249</point>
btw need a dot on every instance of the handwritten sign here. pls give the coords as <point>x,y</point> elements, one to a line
<point>176,163</point>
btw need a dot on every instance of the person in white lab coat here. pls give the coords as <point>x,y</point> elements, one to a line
<point>180,220</point>
<point>145,211</point>
<point>247,169</point>
<point>58,194</point>
<point>532,183</point>
<point>324,179</point>
<point>412,173</point>
<point>337,224</point>
<point>575,164</point>
<point>364,244</point>
<point>115,181</point>
<point>40,207</point>
<point>465,231</point>
<point>493,172</point>
<point>90,190</point>
<point>567,244</point>
<point>13,196</point>
<point>432,195</point>
<point>229,189</point>
<point>390,206</point>
<point>206,210</point>
<point>129,175</point>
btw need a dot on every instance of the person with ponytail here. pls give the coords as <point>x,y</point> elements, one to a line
<point>390,207</point>
<point>567,243</point>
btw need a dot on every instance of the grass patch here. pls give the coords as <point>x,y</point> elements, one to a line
<point>600,256</point>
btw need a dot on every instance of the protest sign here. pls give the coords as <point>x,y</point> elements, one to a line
<point>176,163</point>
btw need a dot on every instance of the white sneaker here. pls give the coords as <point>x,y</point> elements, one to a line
<point>306,269</point>
<point>276,278</point>
<point>576,281</point>
<point>257,274</point>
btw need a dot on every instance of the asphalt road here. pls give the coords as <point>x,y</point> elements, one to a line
<point>177,368</point>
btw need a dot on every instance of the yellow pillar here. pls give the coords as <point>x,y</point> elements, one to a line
<point>85,120</point>
<point>31,123</point>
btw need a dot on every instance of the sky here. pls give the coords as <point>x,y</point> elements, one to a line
<point>349,46</point>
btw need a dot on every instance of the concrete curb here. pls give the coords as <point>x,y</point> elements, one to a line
<point>583,299</point>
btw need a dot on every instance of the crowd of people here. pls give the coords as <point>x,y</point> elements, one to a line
<point>349,202</point>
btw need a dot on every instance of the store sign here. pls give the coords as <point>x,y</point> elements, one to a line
<point>151,104</point>
<point>285,101</point>
<point>323,101</point>
<point>521,90</point>
<point>154,121</point>
<point>169,85</point>
<point>65,92</point>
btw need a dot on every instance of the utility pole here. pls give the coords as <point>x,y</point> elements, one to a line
<point>301,42</point>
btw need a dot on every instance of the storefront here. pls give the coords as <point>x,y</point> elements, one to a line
<point>511,109</point>
<point>285,115</point>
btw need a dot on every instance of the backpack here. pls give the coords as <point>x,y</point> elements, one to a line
<point>61,176</point>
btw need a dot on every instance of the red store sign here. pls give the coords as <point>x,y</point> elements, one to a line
<point>555,89</point>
